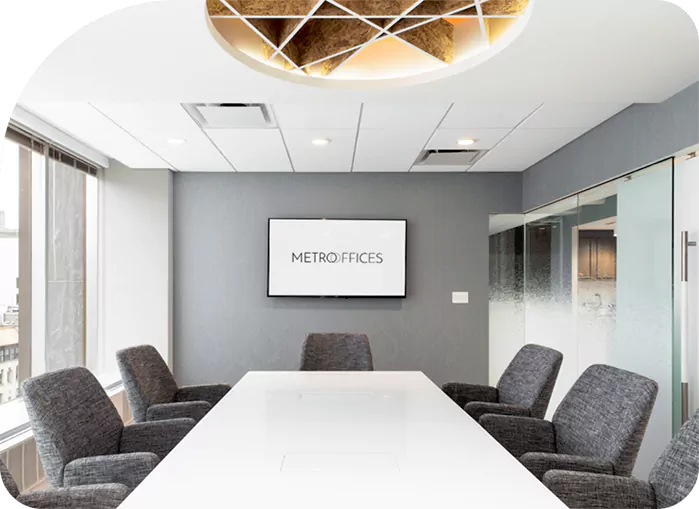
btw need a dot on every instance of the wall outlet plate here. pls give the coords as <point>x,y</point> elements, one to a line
<point>459,297</point>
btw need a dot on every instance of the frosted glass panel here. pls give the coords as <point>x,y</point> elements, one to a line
<point>643,339</point>
<point>548,288</point>
<point>597,286</point>
<point>595,281</point>
<point>506,313</point>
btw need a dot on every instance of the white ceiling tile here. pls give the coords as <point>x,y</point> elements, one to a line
<point>335,156</point>
<point>389,149</point>
<point>85,123</point>
<point>317,115</point>
<point>419,168</point>
<point>487,115</point>
<point>405,115</point>
<point>484,138</point>
<point>156,123</point>
<point>525,147</point>
<point>252,149</point>
<point>572,115</point>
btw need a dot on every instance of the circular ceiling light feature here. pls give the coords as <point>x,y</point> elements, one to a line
<point>360,39</point>
<point>321,142</point>
<point>465,142</point>
<point>176,141</point>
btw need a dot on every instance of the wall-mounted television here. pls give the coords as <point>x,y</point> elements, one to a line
<point>336,258</point>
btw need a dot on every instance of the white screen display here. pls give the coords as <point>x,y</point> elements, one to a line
<point>336,258</point>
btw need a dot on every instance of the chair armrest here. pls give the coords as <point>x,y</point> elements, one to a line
<point>159,437</point>
<point>464,393</point>
<point>520,435</point>
<point>99,496</point>
<point>476,409</point>
<point>212,394</point>
<point>126,469</point>
<point>539,463</point>
<point>190,409</point>
<point>580,490</point>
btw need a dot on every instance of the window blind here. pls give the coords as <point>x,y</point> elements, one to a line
<point>37,144</point>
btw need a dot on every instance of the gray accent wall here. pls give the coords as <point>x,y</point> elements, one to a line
<point>224,324</point>
<point>638,136</point>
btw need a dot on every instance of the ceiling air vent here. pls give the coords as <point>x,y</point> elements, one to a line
<point>231,115</point>
<point>450,157</point>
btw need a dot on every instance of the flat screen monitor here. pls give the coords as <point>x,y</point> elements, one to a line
<point>337,258</point>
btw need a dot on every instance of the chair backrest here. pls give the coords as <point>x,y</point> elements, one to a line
<point>8,481</point>
<point>675,473</point>
<point>72,417</point>
<point>336,352</point>
<point>604,415</point>
<point>530,378</point>
<point>147,379</point>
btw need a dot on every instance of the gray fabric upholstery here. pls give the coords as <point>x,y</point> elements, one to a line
<point>672,478</point>
<point>520,435</point>
<point>105,496</point>
<point>524,388</point>
<point>476,409</point>
<point>158,438</point>
<point>81,438</point>
<point>603,417</point>
<point>212,393</point>
<point>530,378</point>
<point>539,463</point>
<point>126,469</point>
<point>193,409</point>
<point>462,393</point>
<point>336,352</point>
<point>147,379</point>
<point>72,417</point>
<point>674,475</point>
<point>149,384</point>
<point>580,490</point>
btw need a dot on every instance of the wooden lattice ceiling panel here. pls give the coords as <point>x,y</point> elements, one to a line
<point>318,37</point>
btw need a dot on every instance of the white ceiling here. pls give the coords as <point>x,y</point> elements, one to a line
<point>570,69</point>
<point>369,137</point>
<point>570,50</point>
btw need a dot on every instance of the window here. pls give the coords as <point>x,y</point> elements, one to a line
<point>47,197</point>
<point>2,376</point>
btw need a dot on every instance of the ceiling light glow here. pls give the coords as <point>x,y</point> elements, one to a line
<point>321,142</point>
<point>465,142</point>
<point>176,141</point>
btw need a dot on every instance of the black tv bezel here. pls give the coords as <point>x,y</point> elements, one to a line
<point>405,265</point>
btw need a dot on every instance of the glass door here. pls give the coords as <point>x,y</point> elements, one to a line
<point>686,277</point>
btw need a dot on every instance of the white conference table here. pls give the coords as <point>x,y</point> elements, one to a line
<point>339,439</point>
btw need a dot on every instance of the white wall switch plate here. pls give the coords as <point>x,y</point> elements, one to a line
<point>459,297</point>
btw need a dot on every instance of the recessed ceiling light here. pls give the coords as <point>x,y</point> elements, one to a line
<point>320,142</point>
<point>176,141</point>
<point>464,142</point>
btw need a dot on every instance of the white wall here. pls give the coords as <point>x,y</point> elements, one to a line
<point>135,259</point>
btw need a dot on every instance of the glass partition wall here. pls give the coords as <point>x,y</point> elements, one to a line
<point>596,284</point>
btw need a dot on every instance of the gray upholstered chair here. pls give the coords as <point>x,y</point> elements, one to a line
<point>102,496</point>
<point>598,427</point>
<point>153,393</point>
<point>672,478</point>
<point>82,440</point>
<point>335,351</point>
<point>524,388</point>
